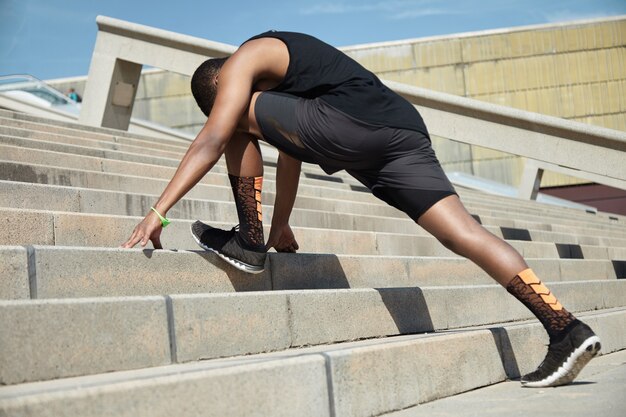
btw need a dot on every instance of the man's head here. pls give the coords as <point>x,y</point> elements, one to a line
<point>204,83</point>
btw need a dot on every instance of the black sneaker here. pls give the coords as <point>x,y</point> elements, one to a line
<point>228,245</point>
<point>565,358</point>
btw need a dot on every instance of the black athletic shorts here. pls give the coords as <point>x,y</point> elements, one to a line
<point>399,166</point>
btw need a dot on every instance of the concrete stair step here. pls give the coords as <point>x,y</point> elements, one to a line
<point>90,139</point>
<point>69,272</point>
<point>550,225</point>
<point>87,151</point>
<point>498,204</point>
<point>36,134</point>
<point>219,189</point>
<point>103,205</point>
<point>492,201</point>
<point>39,140</point>
<point>35,227</point>
<point>85,200</point>
<point>76,131</point>
<point>95,326</point>
<point>7,125</point>
<point>75,126</point>
<point>533,216</point>
<point>601,383</point>
<point>86,163</point>
<point>320,212</point>
<point>331,380</point>
<point>137,332</point>
<point>339,175</point>
<point>95,177</point>
<point>309,170</point>
<point>31,195</point>
<point>329,198</point>
<point>174,163</point>
<point>135,146</point>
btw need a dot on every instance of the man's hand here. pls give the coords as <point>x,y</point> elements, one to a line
<point>282,239</point>
<point>287,177</point>
<point>149,229</point>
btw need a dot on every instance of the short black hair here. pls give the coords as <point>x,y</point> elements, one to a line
<point>203,88</point>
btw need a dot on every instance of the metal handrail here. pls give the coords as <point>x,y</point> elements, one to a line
<point>32,81</point>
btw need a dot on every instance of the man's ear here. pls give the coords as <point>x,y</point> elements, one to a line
<point>215,80</point>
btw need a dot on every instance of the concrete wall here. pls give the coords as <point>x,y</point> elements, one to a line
<point>162,97</point>
<point>165,98</point>
<point>576,71</point>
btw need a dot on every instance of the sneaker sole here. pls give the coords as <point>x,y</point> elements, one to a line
<point>242,266</point>
<point>572,366</point>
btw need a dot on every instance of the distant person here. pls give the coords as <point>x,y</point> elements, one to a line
<point>317,105</point>
<point>74,96</point>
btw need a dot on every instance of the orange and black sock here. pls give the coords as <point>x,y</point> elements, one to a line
<point>527,288</point>
<point>247,192</point>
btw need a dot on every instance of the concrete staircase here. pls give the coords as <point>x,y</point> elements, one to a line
<point>373,315</point>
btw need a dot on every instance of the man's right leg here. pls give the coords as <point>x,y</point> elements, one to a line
<point>243,248</point>
<point>572,343</point>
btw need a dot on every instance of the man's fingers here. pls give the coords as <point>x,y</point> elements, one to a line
<point>282,244</point>
<point>289,245</point>
<point>134,241</point>
<point>129,243</point>
<point>143,240</point>
<point>293,245</point>
<point>289,248</point>
<point>137,237</point>
<point>142,235</point>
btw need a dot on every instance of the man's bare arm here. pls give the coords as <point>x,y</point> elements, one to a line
<point>201,156</point>
<point>236,80</point>
<point>287,179</point>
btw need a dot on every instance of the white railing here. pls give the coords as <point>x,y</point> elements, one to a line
<point>549,143</point>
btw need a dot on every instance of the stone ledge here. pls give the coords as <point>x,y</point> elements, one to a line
<point>417,369</point>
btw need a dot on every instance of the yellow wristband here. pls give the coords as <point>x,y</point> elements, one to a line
<point>164,221</point>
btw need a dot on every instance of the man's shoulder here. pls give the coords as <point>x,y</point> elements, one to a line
<point>283,35</point>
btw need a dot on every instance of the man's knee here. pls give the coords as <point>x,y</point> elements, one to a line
<point>462,239</point>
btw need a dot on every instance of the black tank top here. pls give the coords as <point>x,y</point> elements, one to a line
<point>317,69</point>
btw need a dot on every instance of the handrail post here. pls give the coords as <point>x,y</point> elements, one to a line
<point>110,93</point>
<point>531,181</point>
<point>120,51</point>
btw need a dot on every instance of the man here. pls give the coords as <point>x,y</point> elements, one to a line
<point>73,95</point>
<point>317,105</point>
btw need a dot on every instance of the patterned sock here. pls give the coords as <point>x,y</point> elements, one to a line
<point>527,288</point>
<point>247,192</point>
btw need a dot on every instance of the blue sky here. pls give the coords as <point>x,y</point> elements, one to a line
<point>55,38</point>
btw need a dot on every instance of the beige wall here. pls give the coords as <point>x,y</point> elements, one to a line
<point>162,97</point>
<point>572,71</point>
<point>165,98</point>
<point>576,71</point>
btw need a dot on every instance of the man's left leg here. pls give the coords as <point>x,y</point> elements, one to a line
<point>245,172</point>
<point>243,248</point>
<point>572,343</point>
